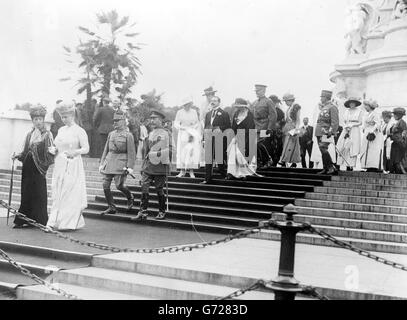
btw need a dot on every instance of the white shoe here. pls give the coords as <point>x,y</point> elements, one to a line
<point>181,175</point>
<point>192,175</point>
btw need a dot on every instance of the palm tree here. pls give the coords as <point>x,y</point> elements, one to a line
<point>106,63</point>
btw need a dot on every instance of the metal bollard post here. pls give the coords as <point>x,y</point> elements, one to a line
<point>285,286</point>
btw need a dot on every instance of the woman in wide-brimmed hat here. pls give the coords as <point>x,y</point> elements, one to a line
<point>69,197</point>
<point>243,121</point>
<point>36,160</point>
<point>350,138</point>
<point>291,149</point>
<point>398,147</point>
<point>189,139</point>
<point>372,139</point>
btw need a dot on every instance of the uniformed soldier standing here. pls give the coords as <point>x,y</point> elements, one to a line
<point>265,118</point>
<point>118,161</point>
<point>326,129</point>
<point>156,157</point>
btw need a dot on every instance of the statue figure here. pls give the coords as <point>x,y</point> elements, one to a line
<point>357,27</point>
<point>400,10</point>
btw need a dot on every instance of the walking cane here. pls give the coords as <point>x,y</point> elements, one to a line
<point>11,188</point>
<point>338,152</point>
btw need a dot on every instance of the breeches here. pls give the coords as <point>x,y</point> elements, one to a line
<point>119,180</point>
<point>147,180</point>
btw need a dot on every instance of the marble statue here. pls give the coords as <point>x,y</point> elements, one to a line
<point>357,27</point>
<point>400,10</point>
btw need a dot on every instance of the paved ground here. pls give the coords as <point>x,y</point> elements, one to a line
<point>323,267</point>
<point>121,234</point>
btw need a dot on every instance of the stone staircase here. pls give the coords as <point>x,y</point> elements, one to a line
<point>111,278</point>
<point>368,210</point>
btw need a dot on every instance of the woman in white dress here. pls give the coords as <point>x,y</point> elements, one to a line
<point>189,139</point>
<point>372,139</point>
<point>69,197</point>
<point>350,139</point>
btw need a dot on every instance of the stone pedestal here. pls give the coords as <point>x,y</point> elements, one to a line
<point>380,73</point>
<point>14,126</point>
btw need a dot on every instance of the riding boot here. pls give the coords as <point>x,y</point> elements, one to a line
<point>142,214</point>
<point>129,196</point>
<point>161,207</point>
<point>109,199</point>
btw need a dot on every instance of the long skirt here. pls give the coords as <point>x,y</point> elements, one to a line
<point>69,197</point>
<point>188,149</point>
<point>238,166</point>
<point>349,148</point>
<point>372,152</point>
<point>33,193</point>
<point>291,149</point>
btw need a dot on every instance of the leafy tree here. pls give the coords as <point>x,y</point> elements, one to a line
<point>107,65</point>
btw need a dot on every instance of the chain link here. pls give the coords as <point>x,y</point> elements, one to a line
<point>311,291</point>
<point>173,249</point>
<point>240,292</point>
<point>351,247</point>
<point>36,278</point>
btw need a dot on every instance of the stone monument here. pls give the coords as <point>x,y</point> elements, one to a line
<point>376,63</point>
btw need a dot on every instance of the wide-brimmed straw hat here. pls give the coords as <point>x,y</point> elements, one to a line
<point>352,100</point>
<point>65,108</point>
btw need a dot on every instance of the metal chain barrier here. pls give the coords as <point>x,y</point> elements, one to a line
<point>311,291</point>
<point>36,278</point>
<point>240,292</point>
<point>173,249</point>
<point>351,247</point>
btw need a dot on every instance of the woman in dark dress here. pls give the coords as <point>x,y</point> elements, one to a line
<point>36,160</point>
<point>242,163</point>
<point>398,150</point>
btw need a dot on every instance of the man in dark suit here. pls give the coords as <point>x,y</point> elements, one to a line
<point>306,143</point>
<point>216,121</point>
<point>103,122</point>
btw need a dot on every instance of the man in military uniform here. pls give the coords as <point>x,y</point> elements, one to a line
<point>156,157</point>
<point>326,130</point>
<point>118,161</point>
<point>265,119</point>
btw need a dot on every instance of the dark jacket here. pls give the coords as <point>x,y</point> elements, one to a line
<point>103,120</point>
<point>57,123</point>
<point>246,125</point>
<point>221,120</point>
<point>157,153</point>
<point>307,137</point>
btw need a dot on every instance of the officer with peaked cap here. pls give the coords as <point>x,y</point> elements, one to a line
<point>265,118</point>
<point>156,156</point>
<point>118,161</point>
<point>326,129</point>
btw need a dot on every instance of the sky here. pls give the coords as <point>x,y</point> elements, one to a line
<point>291,46</point>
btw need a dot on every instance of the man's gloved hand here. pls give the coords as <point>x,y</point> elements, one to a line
<point>128,170</point>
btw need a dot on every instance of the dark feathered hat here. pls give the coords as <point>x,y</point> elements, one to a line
<point>38,111</point>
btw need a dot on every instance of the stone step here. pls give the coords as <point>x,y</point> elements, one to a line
<point>149,285</point>
<point>380,181</point>
<point>350,206</point>
<point>347,214</point>
<point>17,196</point>
<point>208,202</point>
<point>363,186</point>
<point>357,199</point>
<point>369,245</point>
<point>294,184</point>
<point>347,223</point>
<point>41,292</point>
<point>361,193</point>
<point>361,174</point>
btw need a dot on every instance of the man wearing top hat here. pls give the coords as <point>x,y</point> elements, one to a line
<point>156,157</point>
<point>209,93</point>
<point>118,160</point>
<point>103,122</point>
<point>265,118</point>
<point>326,129</point>
<point>216,120</point>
